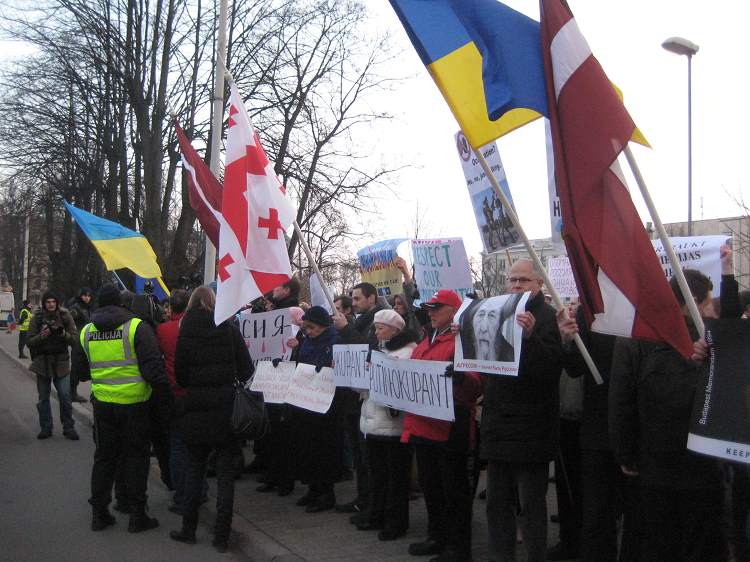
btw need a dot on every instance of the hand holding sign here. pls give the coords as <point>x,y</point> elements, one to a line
<point>527,321</point>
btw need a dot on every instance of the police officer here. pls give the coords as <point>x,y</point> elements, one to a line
<point>24,319</point>
<point>121,357</point>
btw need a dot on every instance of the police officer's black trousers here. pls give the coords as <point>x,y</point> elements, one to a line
<point>122,436</point>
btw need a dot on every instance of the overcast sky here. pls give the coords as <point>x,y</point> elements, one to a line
<point>626,37</point>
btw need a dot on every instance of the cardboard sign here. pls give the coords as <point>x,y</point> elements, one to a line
<point>311,390</point>
<point>561,275</point>
<point>266,334</point>
<point>495,227</point>
<point>719,425</point>
<point>490,339</point>
<point>441,264</point>
<point>350,366</point>
<point>272,381</point>
<point>418,387</point>
<point>377,265</point>
<point>694,252</point>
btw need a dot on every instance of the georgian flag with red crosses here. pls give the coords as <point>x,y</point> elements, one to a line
<point>252,254</point>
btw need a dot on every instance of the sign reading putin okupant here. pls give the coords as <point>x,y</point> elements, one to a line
<point>441,264</point>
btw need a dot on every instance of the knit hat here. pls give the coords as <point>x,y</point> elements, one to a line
<point>389,318</point>
<point>109,295</point>
<point>85,291</point>
<point>318,315</point>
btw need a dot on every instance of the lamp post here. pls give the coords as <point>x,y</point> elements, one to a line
<point>681,46</point>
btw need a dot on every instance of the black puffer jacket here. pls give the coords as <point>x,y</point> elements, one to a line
<point>207,361</point>
<point>363,328</point>
<point>520,415</point>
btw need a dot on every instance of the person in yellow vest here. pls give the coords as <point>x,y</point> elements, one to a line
<point>120,355</point>
<point>24,319</point>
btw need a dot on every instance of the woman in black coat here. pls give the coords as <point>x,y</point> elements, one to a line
<point>208,359</point>
<point>316,441</point>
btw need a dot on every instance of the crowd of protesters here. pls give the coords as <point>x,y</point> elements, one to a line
<point>627,487</point>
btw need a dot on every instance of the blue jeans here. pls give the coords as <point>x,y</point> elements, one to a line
<point>44,387</point>
<point>178,464</point>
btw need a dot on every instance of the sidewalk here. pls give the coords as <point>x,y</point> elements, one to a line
<point>269,528</point>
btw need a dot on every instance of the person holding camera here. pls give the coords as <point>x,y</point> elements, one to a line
<point>51,331</point>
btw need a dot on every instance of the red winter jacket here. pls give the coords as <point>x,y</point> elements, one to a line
<point>167,335</point>
<point>465,394</point>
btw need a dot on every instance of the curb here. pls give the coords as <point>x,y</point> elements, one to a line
<point>254,543</point>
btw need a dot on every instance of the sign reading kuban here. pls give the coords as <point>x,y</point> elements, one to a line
<point>719,425</point>
<point>415,386</point>
<point>350,366</point>
<point>272,381</point>
<point>266,334</point>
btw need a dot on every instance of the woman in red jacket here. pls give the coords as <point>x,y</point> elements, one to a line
<point>443,447</point>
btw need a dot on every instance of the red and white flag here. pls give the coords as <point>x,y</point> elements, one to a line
<point>621,284</point>
<point>252,252</point>
<point>203,188</point>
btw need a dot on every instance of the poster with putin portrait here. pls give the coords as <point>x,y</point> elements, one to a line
<point>489,338</point>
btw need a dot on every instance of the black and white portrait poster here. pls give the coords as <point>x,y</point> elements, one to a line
<point>720,426</point>
<point>489,339</point>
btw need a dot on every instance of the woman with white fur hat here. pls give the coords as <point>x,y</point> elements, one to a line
<point>390,460</point>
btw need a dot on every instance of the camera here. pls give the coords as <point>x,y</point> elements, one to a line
<point>54,328</point>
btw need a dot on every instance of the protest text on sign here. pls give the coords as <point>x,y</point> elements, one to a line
<point>272,381</point>
<point>350,366</point>
<point>310,389</point>
<point>266,334</point>
<point>441,264</point>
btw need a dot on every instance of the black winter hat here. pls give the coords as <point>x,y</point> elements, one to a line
<point>109,295</point>
<point>318,315</point>
<point>85,291</point>
<point>49,294</point>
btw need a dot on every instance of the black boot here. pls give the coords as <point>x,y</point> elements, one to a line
<point>182,536</point>
<point>140,522</point>
<point>102,519</point>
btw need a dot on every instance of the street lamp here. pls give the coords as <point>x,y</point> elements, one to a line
<point>681,46</point>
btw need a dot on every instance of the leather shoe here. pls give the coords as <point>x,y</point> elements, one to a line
<point>265,488</point>
<point>140,523</point>
<point>182,536</point>
<point>101,520</point>
<point>79,399</point>
<point>307,499</point>
<point>321,503</point>
<point>425,548</point>
<point>369,526</point>
<point>285,490</point>
<point>351,507</point>
<point>71,434</point>
<point>391,534</point>
<point>44,434</point>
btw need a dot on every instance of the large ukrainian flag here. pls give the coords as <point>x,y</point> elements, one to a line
<point>486,59</point>
<point>119,247</point>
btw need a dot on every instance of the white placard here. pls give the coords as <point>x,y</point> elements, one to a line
<point>561,276</point>
<point>490,339</point>
<point>272,381</point>
<point>441,264</point>
<point>418,387</point>
<point>266,334</point>
<point>311,390</point>
<point>350,365</point>
<point>694,252</point>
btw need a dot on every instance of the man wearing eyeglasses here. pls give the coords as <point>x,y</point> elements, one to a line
<point>520,425</point>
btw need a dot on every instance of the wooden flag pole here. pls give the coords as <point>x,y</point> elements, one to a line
<point>676,267</point>
<point>537,261</point>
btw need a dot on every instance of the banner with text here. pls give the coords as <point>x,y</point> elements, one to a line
<point>350,365</point>
<point>418,387</point>
<point>311,390</point>
<point>719,425</point>
<point>266,334</point>
<point>694,252</point>
<point>377,265</point>
<point>272,381</point>
<point>489,339</point>
<point>555,213</point>
<point>561,276</point>
<point>441,264</point>
<point>495,227</point>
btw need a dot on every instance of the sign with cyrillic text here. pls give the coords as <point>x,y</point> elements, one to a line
<point>266,334</point>
<point>561,276</point>
<point>719,425</point>
<point>350,365</point>
<point>310,389</point>
<point>418,387</point>
<point>441,264</point>
<point>489,339</point>
<point>272,381</point>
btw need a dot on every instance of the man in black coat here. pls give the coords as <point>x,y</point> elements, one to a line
<point>520,424</point>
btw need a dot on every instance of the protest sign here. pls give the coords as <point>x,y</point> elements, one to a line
<point>555,212</point>
<point>311,390</point>
<point>377,264</point>
<point>272,381</point>
<point>318,295</point>
<point>489,339</point>
<point>266,334</point>
<point>495,227</point>
<point>418,387</point>
<point>719,425</point>
<point>441,264</point>
<point>561,276</point>
<point>350,365</point>
<point>694,252</point>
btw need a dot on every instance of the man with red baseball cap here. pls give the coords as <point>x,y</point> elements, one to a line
<point>441,446</point>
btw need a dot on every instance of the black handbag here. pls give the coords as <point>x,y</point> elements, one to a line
<point>249,414</point>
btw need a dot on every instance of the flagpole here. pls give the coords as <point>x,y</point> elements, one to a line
<point>537,261</point>
<point>209,264</point>
<point>314,265</point>
<point>664,237</point>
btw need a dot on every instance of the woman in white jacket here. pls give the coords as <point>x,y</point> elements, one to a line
<point>390,460</point>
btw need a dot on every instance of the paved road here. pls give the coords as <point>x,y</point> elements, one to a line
<point>44,485</point>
